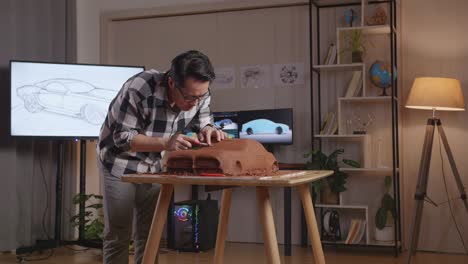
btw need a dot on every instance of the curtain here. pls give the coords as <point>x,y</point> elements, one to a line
<point>38,31</point>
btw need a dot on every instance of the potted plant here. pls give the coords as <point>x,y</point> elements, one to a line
<point>384,218</point>
<point>355,44</point>
<point>332,185</point>
<point>91,219</point>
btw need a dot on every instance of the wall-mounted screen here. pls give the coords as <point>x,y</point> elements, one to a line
<point>63,100</point>
<point>274,126</point>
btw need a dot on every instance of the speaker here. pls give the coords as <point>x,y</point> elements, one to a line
<point>195,225</point>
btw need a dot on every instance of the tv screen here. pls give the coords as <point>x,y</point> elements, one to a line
<point>273,126</point>
<point>63,100</point>
<point>228,122</point>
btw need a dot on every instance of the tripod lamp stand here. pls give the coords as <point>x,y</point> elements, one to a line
<point>436,94</point>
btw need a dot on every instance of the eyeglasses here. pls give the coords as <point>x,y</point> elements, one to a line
<point>193,98</point>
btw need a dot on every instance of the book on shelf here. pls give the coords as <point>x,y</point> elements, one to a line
<point>330,125</point>
<point>359,87</point>
<point>326,123</point>
<point>360,234</point>
<point>334,126</point>
<point>328,54</point>
<point>355,84</point>
<point>331,55</point>
<point>356,232</point>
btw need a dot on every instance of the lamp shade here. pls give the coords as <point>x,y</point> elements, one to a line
<point>430,93</point>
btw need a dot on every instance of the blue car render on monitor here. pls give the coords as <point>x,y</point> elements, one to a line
<point>264,126</point>
<point>228,122</point>
<point>272,126</point>
<point>63,100</point>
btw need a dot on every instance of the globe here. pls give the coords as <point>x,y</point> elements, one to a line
<point>381,75</point>
<point>350,16</point>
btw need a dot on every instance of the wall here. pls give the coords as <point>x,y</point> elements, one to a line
<point>88,21</point>
<point>93,181</point>
<point>434,43</point>
<point>35,31</point>
<point>88,51</point>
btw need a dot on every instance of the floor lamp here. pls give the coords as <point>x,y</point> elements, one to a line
<point>436,94</point>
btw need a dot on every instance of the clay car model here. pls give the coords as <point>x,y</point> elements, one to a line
<point>227,157</point>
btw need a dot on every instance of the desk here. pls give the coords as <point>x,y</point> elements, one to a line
<point>299,179</point>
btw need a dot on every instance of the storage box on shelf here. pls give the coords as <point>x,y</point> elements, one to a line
<point>347,213</point>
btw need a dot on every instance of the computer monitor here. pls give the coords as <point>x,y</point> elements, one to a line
<point>228,122</point>
<point>63,100</point>
<point>273,126</point>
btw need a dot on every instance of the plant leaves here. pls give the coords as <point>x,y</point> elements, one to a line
<point>335,154</point>
<point>316,186</point>
<point>94,227</point>
<point>80,198</point>
<point>94,230</point>
<point>339,188</point>
<point>352,163</point>
<point>95,206</point>
<point>74,218</point>
<point>320,161</point>
<point>388,182</point>
<point>308,154</point>
<point>388,202</point>
<point>381,218</point>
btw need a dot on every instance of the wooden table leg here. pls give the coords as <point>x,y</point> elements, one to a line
<point>159,219</point>
<point>222,225</point>
<point>306,198</point>
<point>268,225</point>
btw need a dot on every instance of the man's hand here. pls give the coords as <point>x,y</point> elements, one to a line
<point>209,132</point>
<point>181,142</point>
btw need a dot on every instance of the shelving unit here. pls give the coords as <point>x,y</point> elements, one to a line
<point>377,149</point>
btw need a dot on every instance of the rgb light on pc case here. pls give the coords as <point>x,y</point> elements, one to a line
<point>194,225</point>
<point>183,214</point>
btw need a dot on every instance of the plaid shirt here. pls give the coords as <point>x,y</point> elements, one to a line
<point>142,107</point>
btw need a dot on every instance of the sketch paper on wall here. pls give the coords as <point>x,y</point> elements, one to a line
<point>288,74</point>
<point>63,100</point>
<point>256,76</point>
<point>225,78</point>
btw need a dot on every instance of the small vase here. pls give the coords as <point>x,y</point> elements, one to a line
<point>327,196</point>
<point>356,57</point>
<point>387,234</point>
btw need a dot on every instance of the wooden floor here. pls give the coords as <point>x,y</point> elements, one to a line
<point>245,253</point>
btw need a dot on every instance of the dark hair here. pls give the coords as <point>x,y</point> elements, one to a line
<point>192,64</point>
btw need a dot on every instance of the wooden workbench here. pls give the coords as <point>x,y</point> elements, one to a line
<point>299,179</point>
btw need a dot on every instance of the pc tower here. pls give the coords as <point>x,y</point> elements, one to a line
<point>195,225</point>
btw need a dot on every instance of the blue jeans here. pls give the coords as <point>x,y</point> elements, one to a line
<point>124,204</point>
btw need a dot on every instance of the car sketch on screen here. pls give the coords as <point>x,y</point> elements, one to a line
<point>266,131</point>
<point>69,97</point>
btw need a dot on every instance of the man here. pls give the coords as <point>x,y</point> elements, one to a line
<point>147,117</point>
